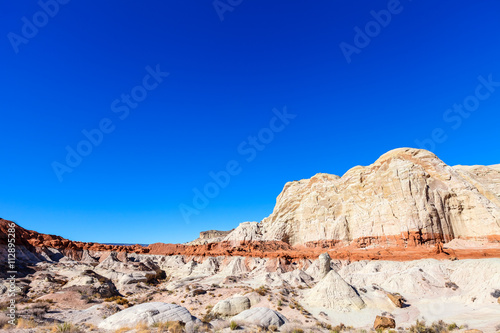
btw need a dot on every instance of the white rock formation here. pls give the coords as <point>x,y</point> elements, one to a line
<point>405,190</point>
<point>332,292</point>
<point>260,316</point>
<point>148,313</point>
<point>324,264</point>
<point>232,306</point>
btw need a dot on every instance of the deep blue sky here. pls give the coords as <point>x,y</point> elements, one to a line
<point>225,79</point>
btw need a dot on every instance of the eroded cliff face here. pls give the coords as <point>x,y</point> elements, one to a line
<point>407,197</point>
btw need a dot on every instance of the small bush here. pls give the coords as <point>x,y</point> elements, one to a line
<point>420,327</point>
<point>262,290</point>
<point>496,293</point>
<point>65,328</point>
<point>233,326</point>
<point>118,300</point>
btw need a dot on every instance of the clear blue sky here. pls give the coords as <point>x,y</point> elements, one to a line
<point>225,78</point>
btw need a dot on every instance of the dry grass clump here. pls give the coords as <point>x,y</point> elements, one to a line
<point>65,328</point>
<point>142,328</point>
<point>169,326</point>
<point>25,323</point>
<point>262,290</point>
<point>291,328</point>
<point>334,329</point>
<point>118,300</point>
<point>273,328</point>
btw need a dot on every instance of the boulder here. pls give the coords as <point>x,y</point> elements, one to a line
<point>231,306</point>
<point>384,323</point>
<point>148,313</point>
<point>397,299</point>
<point>260,316</point>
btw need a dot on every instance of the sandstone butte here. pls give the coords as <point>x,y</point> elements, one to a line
<point>407,205</point>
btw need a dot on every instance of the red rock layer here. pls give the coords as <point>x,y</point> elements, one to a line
<point>409,246</point>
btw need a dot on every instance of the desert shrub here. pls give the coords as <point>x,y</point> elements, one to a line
<point>439,326</point>
<point>262,290</point>
<point>233,325</point>
<point>198,328</point>
<point>118,300</point>
<point>122,301</point>
<point>436,327</point>
<point>65,328</point>
<point>420,327</point>
<point>496,293</point>
<point>123,330</point>
<point>209,316</point>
